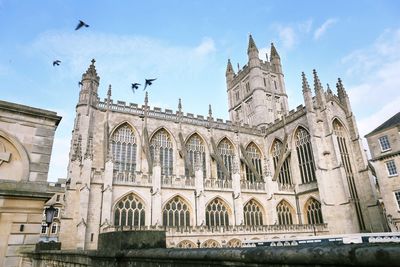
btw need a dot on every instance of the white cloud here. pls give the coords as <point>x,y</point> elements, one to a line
<point>306,26</point>
<point>375,94</point>
<point>288,36</point>
<point>323,28</point>
<point>207,46</point>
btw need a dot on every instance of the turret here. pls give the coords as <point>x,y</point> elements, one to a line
<point>230,73</point>
<point>252,53</point>
<point>89,86</point>
<point>307,94</point>
<point>319,91</point>
<point>275,60</point>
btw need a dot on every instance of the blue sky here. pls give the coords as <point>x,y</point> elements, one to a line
<point>186,44</point>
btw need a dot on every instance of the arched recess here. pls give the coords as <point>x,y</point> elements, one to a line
<point>196,150</point>
<point>130,210</point>
<point>285,213</point>
<point>234,243</point>
<point>253,213</point>
<point>226,150</point>
<point>313,211</point>
<point>254,154</point>
<point>186,244</point>
<point>305,155</point>
<point>211,243</point>
<point>161,145</point>
<point>277,150</point>
<point>14,163</point>
<point>176,212</point>
<point>218,213</point>
<point>123,145</point>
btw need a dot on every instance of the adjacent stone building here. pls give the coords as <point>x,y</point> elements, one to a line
<point>26,140</point>
<point>268,172</point>
<point>384,145</point>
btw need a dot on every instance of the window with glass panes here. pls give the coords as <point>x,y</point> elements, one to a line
<point>255,155</point>
<point>384,142</point>
<point>285,213</point>
<point>123,148</point>
<point>252,213</point>
<point>284,177</point>
<point>314,212</point>
<point>217,213</point>
<point>129,211</point>
<point>196,153</point>
<point>162,142</point>
<point>305,156</point>
<point>225,150</point>
<point>391,167</point>
<point>397,196</point>
<point>176,213</point>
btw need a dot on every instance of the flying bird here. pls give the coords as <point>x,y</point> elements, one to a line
<point>80,83</point>
<point>80,25</point>
<point>56,62</point>
<point>135,86</point>
<point>148,82</point>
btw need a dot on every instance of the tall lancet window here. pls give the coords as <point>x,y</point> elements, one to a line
<point>123,148</point>
<point>196,153</point>
<point>129,211</point>
<point>252,212</point>
<point>176,213</point>
<point>226,151</point>
<point>285,213</point>
<point>341,138</point>
<point>161,141</point>
<point>305,156</point>
<point>314,213</point>
<point>284,177</point>
<point>255,155</point>
<point>217,213</point>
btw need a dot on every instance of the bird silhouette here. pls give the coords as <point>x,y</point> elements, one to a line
<point>56,62</point>
<point>148,82</point>
<point>80,83</point>
<point>135,86</point>
<point>80,25</point>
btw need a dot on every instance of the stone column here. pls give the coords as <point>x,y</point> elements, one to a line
<point>107,195</point>
<point>84,191</point>
<point>156,211</point>
<point>236,194</point>
<point>199,194</point>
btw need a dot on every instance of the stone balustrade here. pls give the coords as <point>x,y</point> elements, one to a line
<point>131,178</point>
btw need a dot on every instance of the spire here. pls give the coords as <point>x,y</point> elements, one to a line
<point>306,86</point>
<point>274,53</point>
<point>340,90</point>
<point>328,89</point>
<point>319,91</point>
<point>109,91</point>
<point>229,69</point>
<point>179,106</point>
<point>209,111</point>
<point>91,72</point>
<point>317,82</point>
<point>252,44</point>
<point>146,100</point>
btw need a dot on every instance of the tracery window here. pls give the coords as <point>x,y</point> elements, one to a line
<point>234,243</point>
<point>186,244</point>
<point>341,138</point>
<point>314,212</point>
<point>255,155</point>
<point>210,243</point>
<point>123,147</point>
<point>176,213</point>
<point>305,156</point>
<point>285,213</point>
<point>252,213</point>
<point>162,142</point>
<point>129,211</point>
<point>217,213</point>
<point>196,153</point>
<point>284,177</point>
<point>226,151</point>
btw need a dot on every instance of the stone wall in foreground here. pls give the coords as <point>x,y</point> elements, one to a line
<point>332,255</point>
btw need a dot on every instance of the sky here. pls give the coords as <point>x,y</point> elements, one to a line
<point>186,45</point>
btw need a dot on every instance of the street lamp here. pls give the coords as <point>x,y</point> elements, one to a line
<point>49,212</point>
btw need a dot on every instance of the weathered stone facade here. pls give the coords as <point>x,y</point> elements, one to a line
<point>269,172</point>
<point>384,145</point>
<point>26,140</point>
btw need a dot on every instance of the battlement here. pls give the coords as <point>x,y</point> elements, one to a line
<point>170,115</point>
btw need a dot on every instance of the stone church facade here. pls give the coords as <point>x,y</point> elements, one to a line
<point>268,172</point>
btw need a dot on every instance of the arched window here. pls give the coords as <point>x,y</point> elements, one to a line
<point>123,148</point>
<point>252,213</point>
<point>314,213</point>
<point>305,156</point>
<point>129,211</point>
<point>234,243</point>
<point>285,213</point>
<point>226,151</point>
<point>161,141</point>
<point>176,213</point>
<point>340,133</point>
<point>210,243</point>
<point>255,155</point>
<point>186,244</point>
<point>196,153</point>
<point>217,213</point>
<point>284,177</point>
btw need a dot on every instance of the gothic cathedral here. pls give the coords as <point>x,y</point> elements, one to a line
<point>268,172</point>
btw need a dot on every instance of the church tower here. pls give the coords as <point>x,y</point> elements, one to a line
<point>256,93</point>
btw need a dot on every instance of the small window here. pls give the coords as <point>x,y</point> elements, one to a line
<point>397,196</point>
<point>54,228</point>
<point>237,95</point>
<point>58,198</point>
<point>265,82</point>
<point>276,86</point>
<point>384,142</point>
<point>56,213</point>
<point>391,168</point>
<point>247,87</point>
<point>44,229</point>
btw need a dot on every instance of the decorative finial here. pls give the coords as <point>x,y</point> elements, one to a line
<point>146,99</point>
<point>328,89</point>
<point>317,83</point>
<point>209,111</point>
<point>306,86</point>
<point>109,91</point>
<point>93,61</point>
<point>273,53</point>
<point>340,89</point>
<point>179,105</point>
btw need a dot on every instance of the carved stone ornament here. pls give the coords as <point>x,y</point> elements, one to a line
<point>4,155</point>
